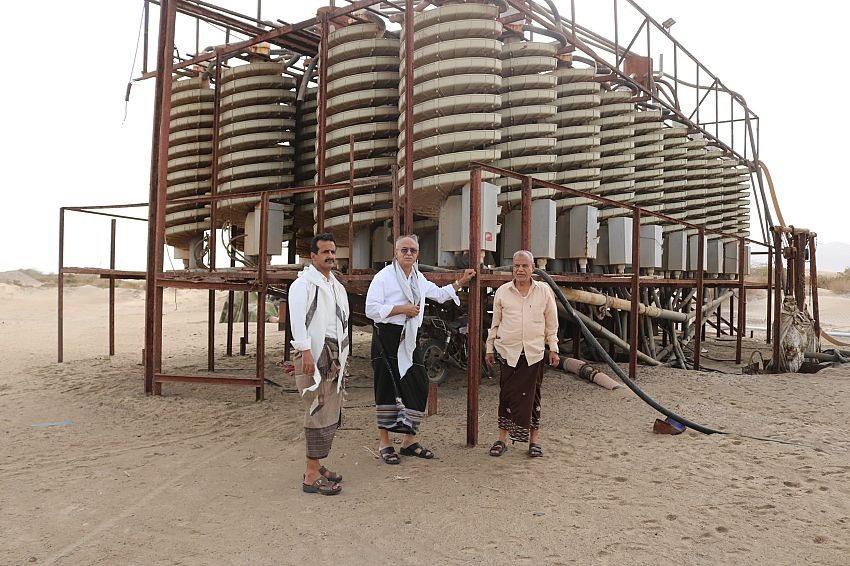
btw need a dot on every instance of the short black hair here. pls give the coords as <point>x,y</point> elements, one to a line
<point>325,237</point>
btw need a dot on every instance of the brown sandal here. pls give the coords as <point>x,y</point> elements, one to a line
<point>332,477</point>
<point>498,448</point>
<point>322,486</point>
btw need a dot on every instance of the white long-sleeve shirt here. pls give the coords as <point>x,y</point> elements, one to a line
<point>384,294</point>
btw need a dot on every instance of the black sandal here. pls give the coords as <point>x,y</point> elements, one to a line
<point>498,448</point>
<point>389,456</point>
<point>417,450</point>
<point>321,486</point>
<point>535,450</point>
<point>329,475</point>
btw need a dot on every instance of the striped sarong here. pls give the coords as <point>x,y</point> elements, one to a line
<point>322,407</point>
<point>399,408</point>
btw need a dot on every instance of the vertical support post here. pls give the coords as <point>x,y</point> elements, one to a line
<point>60,287</point>
<point>261,297</point>
<point>800,241</point>
<point>634,316</point>
<point>699,296</point>
<point>231,297</point>
<point>350,203</point>
<point>777,294</point>
<point>813,281</point>
<point>158,189</point>
<point>742,299</point>
<point>211,330</point>
<point>525,211</point>
<point>770,283</point>
<point>322,117</point>
<point>573,19</point>
<point>213,212</point>
<point>147,11</point>
<point>396,205</point>
<point>112,288</point>
<point>718,313</point>
<point>408,116</point>
<point>731,314</point>
<point>475,306</point>
<point>616,38</point>
<point>287,331</point>
<point>243,346</point>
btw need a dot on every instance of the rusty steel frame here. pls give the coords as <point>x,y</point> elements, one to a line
<point>300,35</point>
<point>633,281</point>
<point>111,274</point>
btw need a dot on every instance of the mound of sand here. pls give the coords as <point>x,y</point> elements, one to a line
<point>20,278</point>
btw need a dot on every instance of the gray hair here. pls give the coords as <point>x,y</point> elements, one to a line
<point>413,237</point>
<point>525,253</point>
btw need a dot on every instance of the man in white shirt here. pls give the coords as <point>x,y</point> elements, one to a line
<point>395,301</point>
<point>319,316</point>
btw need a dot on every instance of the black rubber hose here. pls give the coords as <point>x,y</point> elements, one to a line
<point>613,365</point>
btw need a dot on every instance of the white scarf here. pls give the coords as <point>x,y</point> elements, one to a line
<point>407,344</point>
<point>337,301</point>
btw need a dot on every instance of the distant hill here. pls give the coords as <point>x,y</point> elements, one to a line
<point>833,256</point>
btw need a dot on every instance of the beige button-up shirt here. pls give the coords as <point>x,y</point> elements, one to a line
<point>523,324</point>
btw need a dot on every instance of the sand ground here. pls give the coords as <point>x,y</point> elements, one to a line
<point>205,475</point>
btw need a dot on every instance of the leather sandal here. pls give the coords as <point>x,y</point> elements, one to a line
<point>321,486</point>
<point>498,448</point>
<point>535,450</point>
<point>417,450</point>
<point>389,456</point>
<point>329,475</point>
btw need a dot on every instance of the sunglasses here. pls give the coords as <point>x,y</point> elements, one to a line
<point>411,251</point>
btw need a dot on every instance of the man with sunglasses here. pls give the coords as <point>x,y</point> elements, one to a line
<point>395,302</point>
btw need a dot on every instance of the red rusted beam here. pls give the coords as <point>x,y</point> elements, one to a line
<point>261,297</point>
<point>350,202</point>
<point>396,205</point>
<point>158,185</point>
<point>769,302</point>
<point>813,274</point>
<point>777,295</point>
<point>322,117</point>
<point>525,212</point>
<point>112,289</point>
<point>475,305</point>
<point>700,296</point>
<point>60,287</point>
<point>634,317</point>
<point>408,117</point>
<point>742,300</point>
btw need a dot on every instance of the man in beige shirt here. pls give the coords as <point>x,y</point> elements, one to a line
<point>525,319</point>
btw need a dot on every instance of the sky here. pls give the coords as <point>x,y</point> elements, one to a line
<point>70,140</point>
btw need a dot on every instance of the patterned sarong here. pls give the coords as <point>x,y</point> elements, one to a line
<point>519,398</point>
<point>322,407</point>
<point>399,408</point>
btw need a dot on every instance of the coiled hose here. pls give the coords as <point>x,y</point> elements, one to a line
<point>616,368</point>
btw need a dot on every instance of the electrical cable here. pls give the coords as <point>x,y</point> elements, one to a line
<point>133,67</point>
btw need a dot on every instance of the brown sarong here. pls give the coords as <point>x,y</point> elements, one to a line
<point>322,407</point>
<point>519,398</point>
